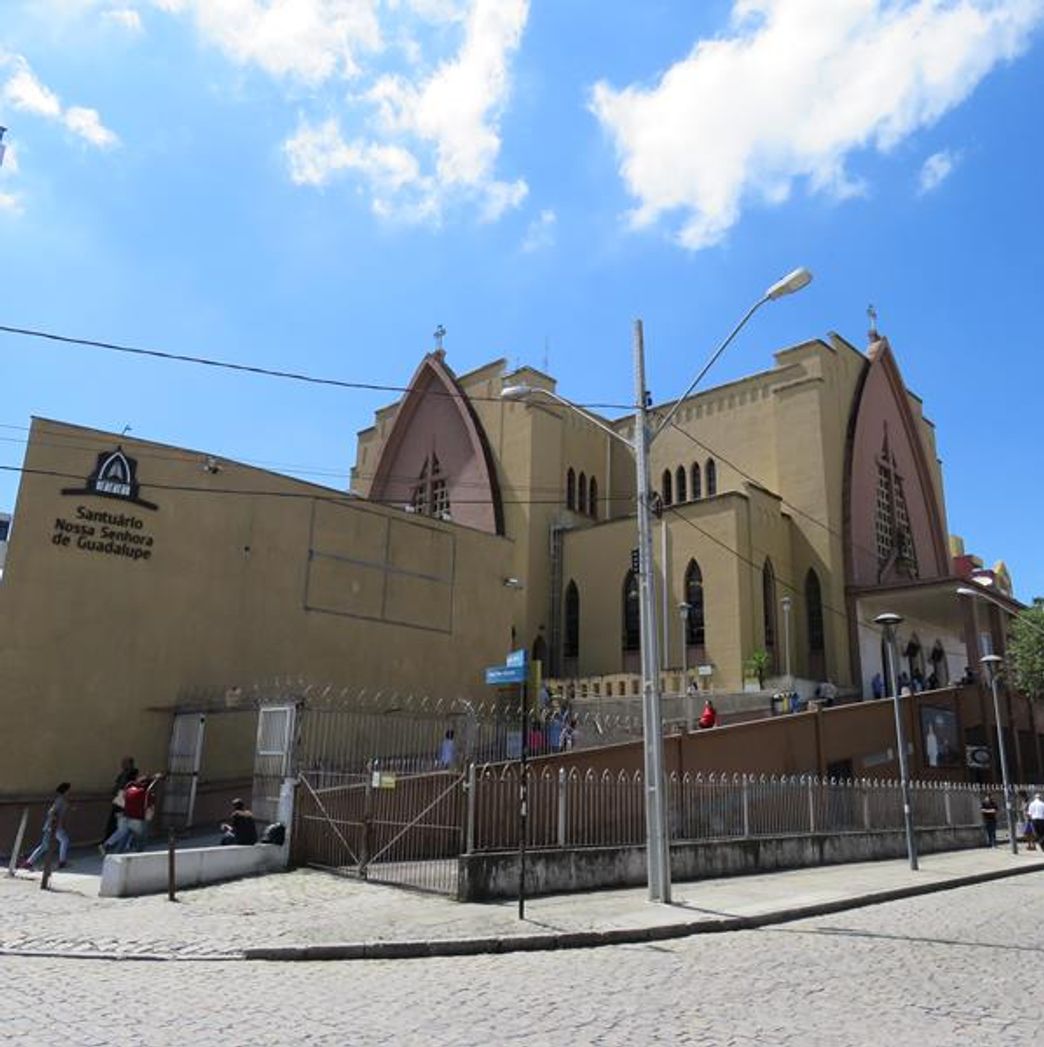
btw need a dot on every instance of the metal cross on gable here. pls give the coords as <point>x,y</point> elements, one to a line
<point>440,333</point>
<point>872,313</point>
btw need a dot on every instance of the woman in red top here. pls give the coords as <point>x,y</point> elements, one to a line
<point>709,716</point>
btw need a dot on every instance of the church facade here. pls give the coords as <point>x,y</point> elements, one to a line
<point>795,505</point>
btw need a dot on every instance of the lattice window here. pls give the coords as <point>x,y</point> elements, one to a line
<point>907,551</point>
<point>892,531</point>
<point>884,522</point>
<point>419,500</point>
<point>431,494</point>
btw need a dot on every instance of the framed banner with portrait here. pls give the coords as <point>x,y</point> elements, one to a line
<point>940,738</point>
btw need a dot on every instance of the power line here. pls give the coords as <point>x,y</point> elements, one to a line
<point>70,443</point>
<point>324,494</point>
<point>268,372</point>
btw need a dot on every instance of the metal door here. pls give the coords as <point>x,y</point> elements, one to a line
<point>186,754</point>
<point>272,758</point>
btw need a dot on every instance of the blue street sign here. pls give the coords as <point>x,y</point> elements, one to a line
<point>506,674</point>
<point>516,658</point>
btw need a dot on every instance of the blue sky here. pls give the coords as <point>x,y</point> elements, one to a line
<point>315,184</point>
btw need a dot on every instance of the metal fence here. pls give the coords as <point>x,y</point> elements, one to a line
<point>382,777</point>
<point>585,808</point>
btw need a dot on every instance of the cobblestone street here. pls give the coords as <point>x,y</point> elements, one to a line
<point>958,966</point>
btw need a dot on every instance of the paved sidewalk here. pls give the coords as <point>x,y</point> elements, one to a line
<point>309,914</point>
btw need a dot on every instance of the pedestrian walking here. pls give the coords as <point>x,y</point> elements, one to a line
<point>54,820</point>
<point>1029,834</point>
<point>1035,810</point>
<point>988,809</point>
<point>128,773</point>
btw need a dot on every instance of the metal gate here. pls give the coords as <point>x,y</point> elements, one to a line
<point>272,757</point>
<point>404,829</point>
<point>186,753</point>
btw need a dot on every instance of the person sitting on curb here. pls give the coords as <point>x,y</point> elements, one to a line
<point>709,716</point>
<point>55,817</point>
<point>241,828</point>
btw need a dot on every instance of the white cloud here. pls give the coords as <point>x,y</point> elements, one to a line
<point>404,97</point>
<point>10,203</point>
<point>796,89</point>
<point>87,124</point>
<point>435,138</point>
<point>936,169</point>
<point>124,17</point>
<point>541,232</point>
<point>25,93</point>
<point>306,40</point>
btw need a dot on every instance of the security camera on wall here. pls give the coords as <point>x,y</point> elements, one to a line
<point>211,465</point>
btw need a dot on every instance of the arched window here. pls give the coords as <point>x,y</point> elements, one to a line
<point>571,642</point>
<point>667,498</point>
<point>679,484</point>
<point>695,631</point>
<point>814,620</point>
<point>570,490</point>
<point>697,493</point>
<point>592,498</point>
<point>710,474</point>
<point>768,599</point>
<point>632,628</point>
<point>581,494</point>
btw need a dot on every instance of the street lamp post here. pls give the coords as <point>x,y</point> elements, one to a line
<point>657,842</point>
<point>888,622</point>
<point>683,611</point>
<point>992,664</point>
<point>785,603</point>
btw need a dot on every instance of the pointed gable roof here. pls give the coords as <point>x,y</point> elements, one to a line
<point>436,419</point>
<point>882,418</point>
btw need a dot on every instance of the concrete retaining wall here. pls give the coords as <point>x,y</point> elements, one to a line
<point>126,875</point>
<point>489,876</point>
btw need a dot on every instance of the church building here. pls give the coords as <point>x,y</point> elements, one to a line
<point>794,506</point>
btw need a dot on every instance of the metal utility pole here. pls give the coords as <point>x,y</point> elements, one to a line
<point>655,783</point>
<point>889,622</point>
<point>992,663</point>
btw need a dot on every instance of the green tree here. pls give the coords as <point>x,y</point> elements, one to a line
<point>1026,651</point>
<point>758,665</point>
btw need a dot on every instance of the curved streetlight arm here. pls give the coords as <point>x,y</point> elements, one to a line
<point>666,421</point>
<point>524,392</point>
<point>790,284</point>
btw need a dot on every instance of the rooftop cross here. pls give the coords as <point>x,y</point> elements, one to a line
<point>440,333</point>
<point>872,313</point>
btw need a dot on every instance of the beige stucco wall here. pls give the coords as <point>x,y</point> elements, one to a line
<point>280,578</point>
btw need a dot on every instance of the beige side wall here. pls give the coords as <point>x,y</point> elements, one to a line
<point>229,595</point>
<point>598,561</point>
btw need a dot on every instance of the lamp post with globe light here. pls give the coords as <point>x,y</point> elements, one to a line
<point>889,622</point>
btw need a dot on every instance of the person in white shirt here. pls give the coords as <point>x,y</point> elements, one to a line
<point>1035,812</point>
